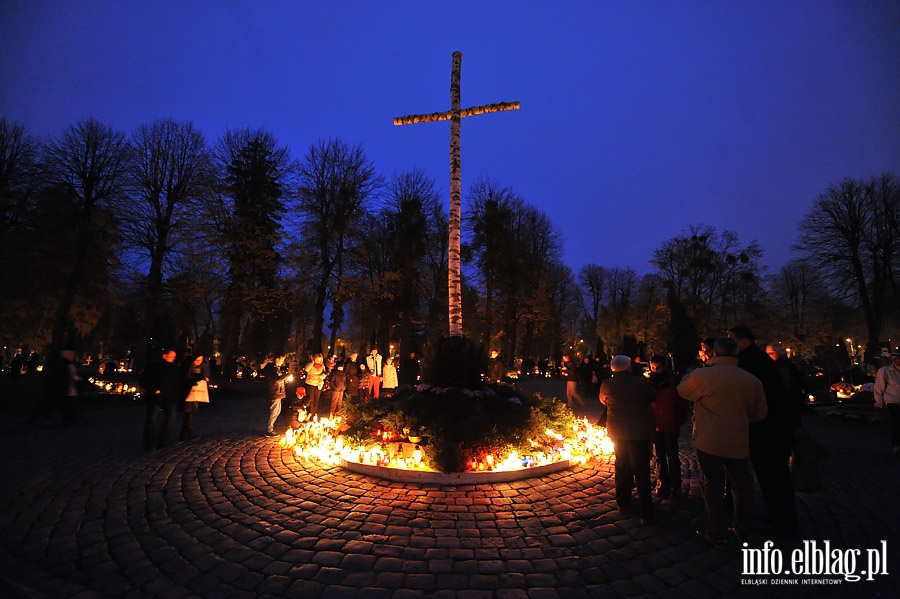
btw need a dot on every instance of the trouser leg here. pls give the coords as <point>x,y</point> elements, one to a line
<point>640,466</point>
<point>713,470</point>
<point>623,473</point>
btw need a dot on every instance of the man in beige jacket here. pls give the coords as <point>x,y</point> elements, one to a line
<point>726,400</point>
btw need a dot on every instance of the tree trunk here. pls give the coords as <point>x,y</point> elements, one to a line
<point>454,293</point>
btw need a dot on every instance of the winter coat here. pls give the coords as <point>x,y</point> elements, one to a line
<point>726,400</point>
<point>670,409</point>
<point>338,379</point>
<point>167,378</point>
<point>315,374</point>
<point>887,386</point>
<point>390,376</point>
<point>783,414</point>
<point>274,382</point>
<point>627,398</point>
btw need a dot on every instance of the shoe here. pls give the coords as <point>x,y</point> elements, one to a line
<point>271,434</point>
<point>625,506</point>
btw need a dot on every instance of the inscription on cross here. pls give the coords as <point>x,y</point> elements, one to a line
<point>454,115</point>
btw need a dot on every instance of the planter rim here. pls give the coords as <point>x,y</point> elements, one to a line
<point>456,478</point>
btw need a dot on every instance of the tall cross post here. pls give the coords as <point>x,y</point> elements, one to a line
<point>454,115</point>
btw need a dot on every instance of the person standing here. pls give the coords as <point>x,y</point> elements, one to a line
<point>790,375</point>
<point>363,382</point>
<point>196,370</point>
<point>771,439</point>
<point>389,372</point>
<point>727,400</point>
<point>351,370</point>
<point>495,367</point>
<point>60,387</point>
<point>373,363</point>
<point>338,378</point>
<point>409,370</point>
<point>887,397</point>
<point>275,375</point>
<point>164,388</point>
<point>316,373</point>
<point>570,373</point>
<point>670,410</point>
<point>630,425</point>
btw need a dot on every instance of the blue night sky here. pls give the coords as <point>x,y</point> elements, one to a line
<point>638,119</point>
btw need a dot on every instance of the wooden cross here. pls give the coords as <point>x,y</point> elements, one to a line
<point>454,115</point>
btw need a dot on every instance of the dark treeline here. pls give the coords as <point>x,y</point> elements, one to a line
<point>117,244</point>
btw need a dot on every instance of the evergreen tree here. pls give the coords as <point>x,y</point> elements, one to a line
<point>255,174</point>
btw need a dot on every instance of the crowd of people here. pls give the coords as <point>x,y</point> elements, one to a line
<point>365,378</point>
<point>744,402</point>
<point>746,417</point>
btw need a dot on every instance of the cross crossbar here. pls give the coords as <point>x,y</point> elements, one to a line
<point>446,116</point>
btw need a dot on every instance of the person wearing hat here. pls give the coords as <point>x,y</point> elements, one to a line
<point>887,397</point>
<point>631,425</point>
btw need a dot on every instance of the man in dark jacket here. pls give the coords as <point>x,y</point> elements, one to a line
<point>772,438</point>
<point>409,370</point>
<point>164,388</point>
<point>630,424</point>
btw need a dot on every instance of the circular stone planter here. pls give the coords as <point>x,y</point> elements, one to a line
<point>456,478</point>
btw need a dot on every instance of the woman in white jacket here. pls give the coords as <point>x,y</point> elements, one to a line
<point>389,372</point>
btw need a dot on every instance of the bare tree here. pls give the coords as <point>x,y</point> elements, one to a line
<point>18,182</point>
<point>169,171</point>
<point>592,279</point>
<point>335,181</point>
<point>799,298</point>
<point>850,236</point>
<point>87,163</point>
<point>621,285</point>
<point>715,279</point>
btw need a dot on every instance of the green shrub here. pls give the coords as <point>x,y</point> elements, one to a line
<point>459,424</point>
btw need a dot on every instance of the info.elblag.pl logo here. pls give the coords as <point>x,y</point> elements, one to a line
<point>811,562</point>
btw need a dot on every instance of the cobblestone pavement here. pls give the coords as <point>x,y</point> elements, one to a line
<point>85,512</point>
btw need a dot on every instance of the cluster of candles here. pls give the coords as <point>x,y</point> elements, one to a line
<point>319,439</point>
<point>114,388</point>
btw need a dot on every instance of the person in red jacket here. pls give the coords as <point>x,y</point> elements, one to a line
<point>670,410</point>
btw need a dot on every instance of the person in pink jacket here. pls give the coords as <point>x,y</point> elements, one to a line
<point>726,400</point>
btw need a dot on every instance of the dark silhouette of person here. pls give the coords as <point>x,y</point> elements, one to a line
<point>164,389</point>
<point>60,388</point>
<point>630,424</point>
<point>409,370</point>
<point>772,438</point>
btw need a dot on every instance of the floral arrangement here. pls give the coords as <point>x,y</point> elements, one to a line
<point>458,427</point>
